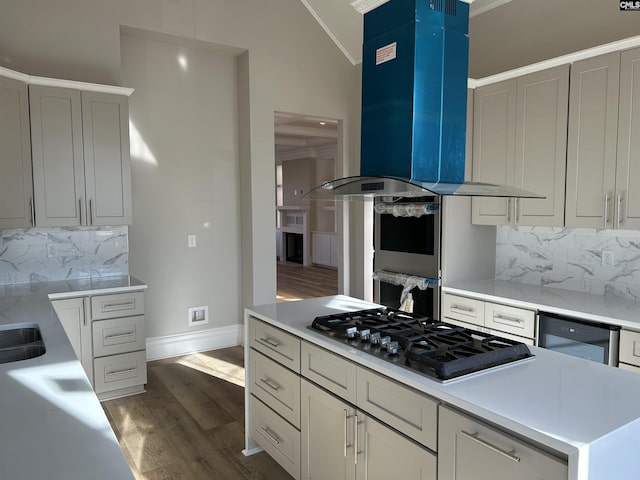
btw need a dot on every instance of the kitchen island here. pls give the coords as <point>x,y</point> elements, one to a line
<point>53,426</point>
<point>579,412</point>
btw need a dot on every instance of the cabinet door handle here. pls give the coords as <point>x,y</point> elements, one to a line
<point>128,305</point>
<point>80,210</point>
<point>606,209</point>
<point>516,211</point>
<point>272,436</point>
<point>32,211</point>
<point>90,219</point>
<point>270,383</point>
<point>618,208</point>
<point>270,341</point>
<point>474,437</point>
<point>84,310</point>
<point>345,432</point>
<point>508,210</point>
<point>462,308</point>
<point>355,442</point>
<point>117,372</point>
<point>508,319</point>
<point>120,335</point>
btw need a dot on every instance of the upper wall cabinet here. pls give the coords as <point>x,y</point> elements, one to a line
<point>603,167</point>
<point>519,139</point>
<point>16,198</point>
<point>81,162</point>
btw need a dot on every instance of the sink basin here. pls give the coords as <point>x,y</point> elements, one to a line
<point>20,342</point>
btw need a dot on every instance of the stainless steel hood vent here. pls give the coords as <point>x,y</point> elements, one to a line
<point>414,104</point>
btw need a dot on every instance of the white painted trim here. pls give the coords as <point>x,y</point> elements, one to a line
<point>364,6</point>
<point>497,3</point>
<point>325,27</point>
<point>619,45</point>
<point>247,452</point>
<point>199,341</point>
<point>57,82</point>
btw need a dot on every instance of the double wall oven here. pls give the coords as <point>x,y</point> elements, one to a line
<point>407,254</point>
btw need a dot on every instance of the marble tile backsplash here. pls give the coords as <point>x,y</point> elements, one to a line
<point>570,259</point>
<point>49,254</point>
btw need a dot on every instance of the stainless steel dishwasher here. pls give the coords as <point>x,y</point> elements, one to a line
<point>581,338</point>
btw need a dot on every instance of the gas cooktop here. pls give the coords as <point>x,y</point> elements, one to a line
<point>436,349</point>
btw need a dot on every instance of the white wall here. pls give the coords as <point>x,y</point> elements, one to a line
<point>289,64</point>
<point>186,181</point>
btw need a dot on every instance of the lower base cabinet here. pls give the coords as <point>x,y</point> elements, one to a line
<point>470,450</point>
<point>341,442</point>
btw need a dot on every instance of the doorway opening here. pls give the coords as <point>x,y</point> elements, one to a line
<point>307,246</point>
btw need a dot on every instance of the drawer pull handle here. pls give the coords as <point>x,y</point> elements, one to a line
<point>346,418</point>
<point>120,335</point>
<point>508,319</point>
<point>270,383</point>
<point>109,307</point>
<point>474,437</point>
<point>118,372</point>
<point>272,436</point>
<point>463,308</point>
<point>270,341</point>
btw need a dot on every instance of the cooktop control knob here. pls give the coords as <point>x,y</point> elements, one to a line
<point>392,348</point>
<point>375,338</point>
<point>364,334</point>
<point>384,341</point>
<point>351,332</point>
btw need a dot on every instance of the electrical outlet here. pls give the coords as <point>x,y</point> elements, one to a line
<point>191,241</point>
<point>607,259</point>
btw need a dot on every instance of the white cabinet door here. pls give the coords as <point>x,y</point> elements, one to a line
<point>541,146</point>
<point>592,139</point>
<point>58,162</point>
<point>384,454</point>
<point>16,189</point>
<point>73,316</point>
<point>471,450</point>
<point>494,123</point>
<point>321,248</point>
<point>327,435</point>
<point>520,140</point>
<point>81,160</point>
<point>105,122</point>
<point>627,199</point>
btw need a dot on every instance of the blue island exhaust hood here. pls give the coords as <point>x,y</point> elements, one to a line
<point>414,105</point>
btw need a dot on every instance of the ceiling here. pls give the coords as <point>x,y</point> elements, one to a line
<point>342,20</point>
<point>296,134</point>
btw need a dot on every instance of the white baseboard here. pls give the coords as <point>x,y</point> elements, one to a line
<point>200,341</point>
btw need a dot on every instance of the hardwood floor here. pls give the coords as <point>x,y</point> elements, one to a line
<point>296,282</point>
<point>190,423</point>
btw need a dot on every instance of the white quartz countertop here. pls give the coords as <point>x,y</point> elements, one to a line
<point>584,410</point>
<point>597,308</point>
<point>52,425</point>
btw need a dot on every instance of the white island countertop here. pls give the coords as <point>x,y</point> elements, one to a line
<point>53,426</point>
<point>583,410</point>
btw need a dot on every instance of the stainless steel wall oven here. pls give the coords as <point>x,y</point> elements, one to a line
<point>407,254</point>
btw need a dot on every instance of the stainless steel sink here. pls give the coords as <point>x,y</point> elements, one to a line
<point>20,342</point>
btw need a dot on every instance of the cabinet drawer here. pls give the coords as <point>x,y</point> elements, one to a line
<point>330,371</point>
<point>467,446</point>
<point>118,335</point>
<point>464,309</point>
<point>515,338</point>
<point>119,371</point>
<point>630,347</point>
<point>404,409</point>
<point>276,386</point>
<point>276,344</point>
<point>509,319</point>
<point>630,368</point>
<point>279,439</point>
<point>117,305</point>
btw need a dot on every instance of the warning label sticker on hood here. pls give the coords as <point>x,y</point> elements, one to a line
<point>386,53</point>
